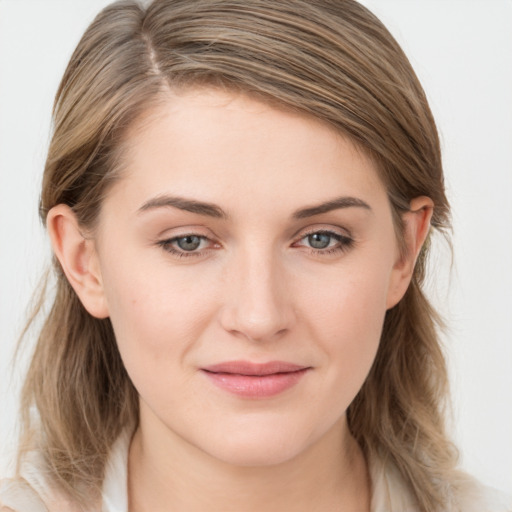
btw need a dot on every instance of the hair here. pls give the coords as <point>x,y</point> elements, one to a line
<point>330,59</point>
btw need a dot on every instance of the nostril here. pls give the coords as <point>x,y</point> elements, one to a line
<point>255,328</point>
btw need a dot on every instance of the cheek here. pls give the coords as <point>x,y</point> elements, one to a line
<point>155,311</point>
<point>157,319</point>
<point>350,299</point>
<point>354,338</point>
<point>347,317</point>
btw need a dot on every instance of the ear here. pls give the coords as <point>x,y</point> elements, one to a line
<point>78,258</point>
<point>416,224</point>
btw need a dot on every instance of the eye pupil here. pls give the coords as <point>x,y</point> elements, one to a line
<point>188,243</point>
<point>319,240</point>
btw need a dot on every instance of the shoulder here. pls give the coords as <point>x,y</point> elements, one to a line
<point>33,490</point>
<point>471,496</point>
<point>464,494</point>
<point>17,495</point>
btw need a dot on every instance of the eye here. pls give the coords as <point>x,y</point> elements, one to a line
<point>319,240</point>
<point>187,245</point>
<point>325,242</point>
<point>189,242</point>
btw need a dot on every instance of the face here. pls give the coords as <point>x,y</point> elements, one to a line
<point>247,257</point>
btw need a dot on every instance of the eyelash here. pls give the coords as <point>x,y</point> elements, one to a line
<point>344,243</point>
<point>180,253</point>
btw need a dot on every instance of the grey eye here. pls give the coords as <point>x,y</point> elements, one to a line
<point>319,240</point>
<point>189,242</point>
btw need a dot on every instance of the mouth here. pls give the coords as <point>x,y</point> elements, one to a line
<point>255,380</point>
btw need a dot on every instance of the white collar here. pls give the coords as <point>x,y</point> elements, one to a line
<point>115,484</point>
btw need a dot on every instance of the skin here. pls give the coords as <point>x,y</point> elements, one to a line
<point>254,290</point>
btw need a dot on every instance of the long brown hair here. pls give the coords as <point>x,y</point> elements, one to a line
<point>331,59</point>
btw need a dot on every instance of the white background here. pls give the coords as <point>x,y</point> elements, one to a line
<point>462,52</point>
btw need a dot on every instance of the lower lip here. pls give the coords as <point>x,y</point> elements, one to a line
<point>256,386</point>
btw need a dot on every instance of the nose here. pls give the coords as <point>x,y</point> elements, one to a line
<point>256,305</point>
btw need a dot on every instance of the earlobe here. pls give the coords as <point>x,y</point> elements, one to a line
<point>78,258</point>
<point>416,224</point>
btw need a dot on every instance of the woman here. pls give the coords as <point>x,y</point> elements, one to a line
<point>239,196</point>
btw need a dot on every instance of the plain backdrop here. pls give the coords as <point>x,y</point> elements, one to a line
<point>462,52</point>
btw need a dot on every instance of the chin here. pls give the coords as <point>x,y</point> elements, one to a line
<point>256,455</point>
<point>257,447</point>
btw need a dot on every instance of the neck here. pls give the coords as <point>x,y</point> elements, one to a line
<point>173,475</point>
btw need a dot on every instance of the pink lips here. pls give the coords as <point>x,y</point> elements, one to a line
<point>251,380</point>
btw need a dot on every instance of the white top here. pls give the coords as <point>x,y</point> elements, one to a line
<point>389,492</point>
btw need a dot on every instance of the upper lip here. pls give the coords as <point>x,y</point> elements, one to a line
<point>256,369</point>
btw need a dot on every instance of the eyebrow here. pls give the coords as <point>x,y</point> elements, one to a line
<point>212,210</point>
<point>189,205</point>
<point>333,204</point>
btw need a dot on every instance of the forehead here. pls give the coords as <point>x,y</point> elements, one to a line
<point>222,145</point>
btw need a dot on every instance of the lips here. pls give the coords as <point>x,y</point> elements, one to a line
<point>255,380</point>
